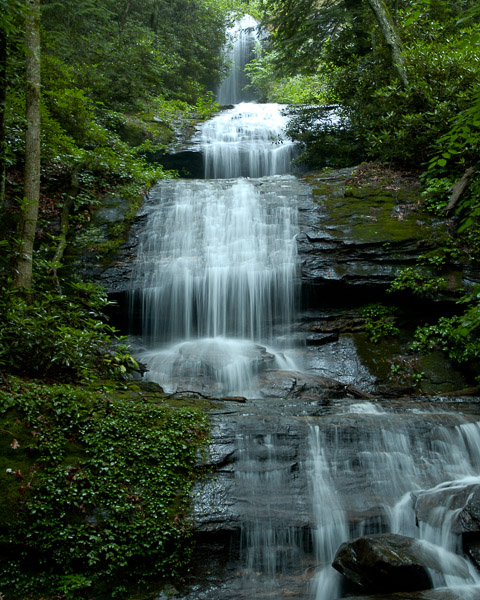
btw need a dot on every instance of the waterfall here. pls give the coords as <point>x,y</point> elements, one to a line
<point>241,37</point>
<point>215,282</point>
<point>216,268</point>
<point>215,273</point>
<point>246,141</point>
<point>375,470</point>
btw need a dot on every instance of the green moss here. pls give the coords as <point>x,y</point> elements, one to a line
<point>368,213</point>
<point>440,375</point>
<point>378,356</point>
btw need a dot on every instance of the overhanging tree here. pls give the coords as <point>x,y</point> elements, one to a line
<point>391,37</point>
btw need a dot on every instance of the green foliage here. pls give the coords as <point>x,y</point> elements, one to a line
<point>419,281</point>
<point>206,106</point>
<point>458,149</point>
<point>379,321</point>
<point>325,136</point>
<point>128,54</point>
<point>457,336</point>
<point>343,43</point>
<point>435,193</point>
<point>296,89</point>
<point>404,370</point>
<point>51,336</point>
<point>103,497</point>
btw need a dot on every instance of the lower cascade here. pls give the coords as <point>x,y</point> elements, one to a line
<point>388,497</point>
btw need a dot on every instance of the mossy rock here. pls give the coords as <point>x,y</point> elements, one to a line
<point>370,213</point>
<point>367,191</point>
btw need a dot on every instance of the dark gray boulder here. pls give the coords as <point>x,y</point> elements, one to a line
<point>384,563</point>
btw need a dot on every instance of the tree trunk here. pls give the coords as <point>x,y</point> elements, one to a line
<point>391,37</point>
<point>458,188</point>
<point>64,226</point>
<point>3,96</point>
<point>23,267</point>
<point>123,18</point>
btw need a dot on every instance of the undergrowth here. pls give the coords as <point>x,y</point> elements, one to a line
<point>97,484</point>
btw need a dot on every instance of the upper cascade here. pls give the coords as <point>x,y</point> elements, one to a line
<point>246,141</point>
<point>242,38</point>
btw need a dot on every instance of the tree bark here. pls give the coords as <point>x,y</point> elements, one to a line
<point>23,267</point>
<point>391,37</point>
<point>3,97</point>
<point>123,18</point>
<point>458,188</point>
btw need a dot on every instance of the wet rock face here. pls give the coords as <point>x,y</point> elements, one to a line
<point>384,563</point>
<point>356,236</point>
<point>461,506</point>
<point>256,473</point>
<point>295,385</point>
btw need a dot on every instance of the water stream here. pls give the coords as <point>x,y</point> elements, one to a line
<point>216,281</point>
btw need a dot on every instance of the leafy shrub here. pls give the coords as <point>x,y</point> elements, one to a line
<point>457,336</point>
<point>419,281</point>
<point>325,135</point>
<point>435,194</point>
<point>101,496</point>
<point>53,336</point>
<point>379,321</point>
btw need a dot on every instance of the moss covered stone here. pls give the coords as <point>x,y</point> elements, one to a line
<point>369,214</point>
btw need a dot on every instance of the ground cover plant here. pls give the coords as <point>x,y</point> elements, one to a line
<point>97,481</point>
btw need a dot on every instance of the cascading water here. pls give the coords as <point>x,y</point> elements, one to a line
<point>215,282</point>
<point>246,141</point>
<point>216,264</point>
<point>372,477</point>
<point>216,271</point>
<point>240,50</point>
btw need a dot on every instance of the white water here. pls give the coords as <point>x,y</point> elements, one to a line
<point>381,469</point>
<point>216,271</point>
<point>240,50</point>
<point>330,527</point>
<point>246,141</point>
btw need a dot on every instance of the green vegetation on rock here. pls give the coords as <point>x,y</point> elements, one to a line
<point>96,483</point>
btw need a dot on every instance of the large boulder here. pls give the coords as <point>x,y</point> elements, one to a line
<point>392,563</point>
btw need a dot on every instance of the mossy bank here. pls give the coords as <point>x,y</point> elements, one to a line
<point>96,481</point>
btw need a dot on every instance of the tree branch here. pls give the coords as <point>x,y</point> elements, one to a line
<point>457,190</point>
